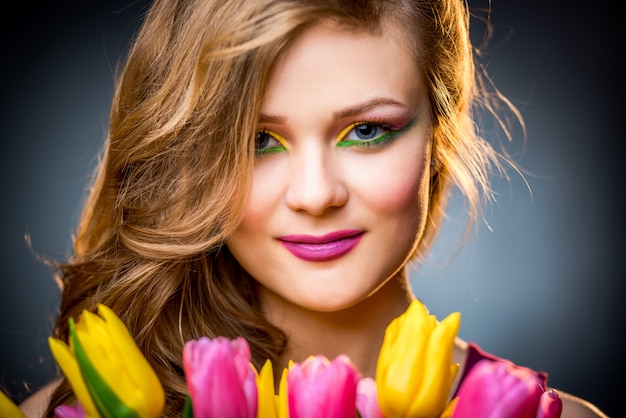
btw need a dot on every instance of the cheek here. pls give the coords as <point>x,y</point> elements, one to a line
<point>246,242</point>
<point>262,201</point>
<point>255,213</point>
<point>398,188</point>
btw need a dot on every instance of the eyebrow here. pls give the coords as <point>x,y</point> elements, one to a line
<point>341,114</point>
<point>366,106</point>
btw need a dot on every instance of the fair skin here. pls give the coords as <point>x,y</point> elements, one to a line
<point>311,186</point>
<point>335,295</point>
<point>327,177</point>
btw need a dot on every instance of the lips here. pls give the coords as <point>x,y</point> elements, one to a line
<point>322,248</point>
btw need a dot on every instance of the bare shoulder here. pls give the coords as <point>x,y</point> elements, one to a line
<point>574,407</point>
<point>35,405</point>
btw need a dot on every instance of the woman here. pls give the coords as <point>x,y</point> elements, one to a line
<point>271,167</point>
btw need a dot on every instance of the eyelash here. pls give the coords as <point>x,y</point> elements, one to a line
<point>374,142</point>
<point>271,150</point>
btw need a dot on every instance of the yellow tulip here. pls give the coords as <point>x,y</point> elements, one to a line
<point>64,356</point>
<point>282,401</point>
<point>8,408</point>
<point>450,408</point>
<point>106,369</point>
<point>265,386</point>
<point>414,372</point>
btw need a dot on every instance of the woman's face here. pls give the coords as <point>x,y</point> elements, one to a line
<point>340,184</point>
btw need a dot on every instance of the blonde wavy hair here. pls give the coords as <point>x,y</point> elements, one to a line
<point>176,168</point>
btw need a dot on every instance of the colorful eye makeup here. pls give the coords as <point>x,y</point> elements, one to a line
<point>362,134</point>
<point>369,134</point>
<point>268,142</point>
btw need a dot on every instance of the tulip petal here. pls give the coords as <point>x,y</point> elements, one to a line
<point>107,358</point>
<point>8,408</point>
<point>520,401</point>
<point>94,338</point>
<point>282,399</point>
<point>266,397</point>
<point>550,405</point>
<point>68,411</point>
<point>220,378</point>
<point>432,398</point>
<point>414,372</point>
<point>449,409</point>
<point>106,401</point>
<point>103,360</point>
<point>499,389</point>
<point>319,387</point>
<point>65,359</point>
<point>116,357</point>
<point>366,401</point>
<point>401,358</point>
<point>143,378</point>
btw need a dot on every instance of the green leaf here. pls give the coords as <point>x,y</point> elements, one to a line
<point>105,400</point>
<point>188,411</point>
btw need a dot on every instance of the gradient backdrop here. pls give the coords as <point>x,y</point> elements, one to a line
<point>543,287</point>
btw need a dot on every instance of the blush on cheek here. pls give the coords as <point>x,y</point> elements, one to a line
<point>397,196</point>
<point>264,197</point>
<point>402,187</point>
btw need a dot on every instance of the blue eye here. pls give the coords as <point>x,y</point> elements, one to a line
<point>365,131</point>
<point>365,135</point>
<point>267,142</point>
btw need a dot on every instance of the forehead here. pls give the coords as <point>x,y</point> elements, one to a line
<point>336,64</point>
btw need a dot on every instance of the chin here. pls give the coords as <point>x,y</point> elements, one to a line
<point>328,304</point>
<point>336,301</point>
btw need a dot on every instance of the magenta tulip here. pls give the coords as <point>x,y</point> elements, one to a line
<point>366,400</point>
<point>321,388</point>
<point>501,389</point>
<point>550,405</point>
<point>68,411</point>
<point>220,377</point>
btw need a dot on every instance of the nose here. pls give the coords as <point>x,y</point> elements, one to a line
<point>316,183</point>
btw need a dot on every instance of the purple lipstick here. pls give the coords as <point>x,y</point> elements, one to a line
<point>322,248</point>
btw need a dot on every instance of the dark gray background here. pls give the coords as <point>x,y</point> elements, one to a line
<point>542,288</point>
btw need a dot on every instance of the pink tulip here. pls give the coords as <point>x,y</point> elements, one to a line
<point>550,405</point>
<point>502,389</point>
<point>220,378</point>
<point>366,400</point>
<point>321,388</point>
<point>68,411</point>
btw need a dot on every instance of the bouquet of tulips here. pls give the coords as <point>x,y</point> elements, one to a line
<point>111,378</point>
